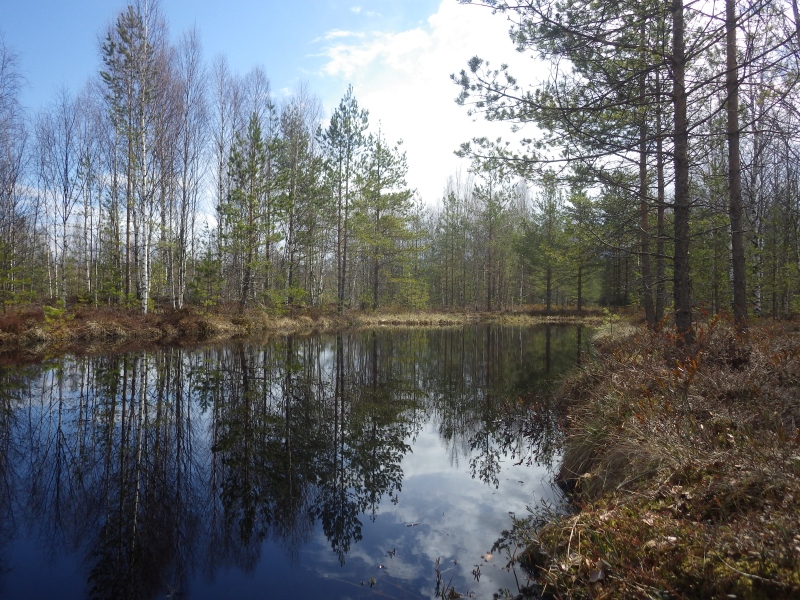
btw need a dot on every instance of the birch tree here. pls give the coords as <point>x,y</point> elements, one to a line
<point>191,154</point>
<point>58,140</point>
<point>13,147</point>
<point>133,51</point>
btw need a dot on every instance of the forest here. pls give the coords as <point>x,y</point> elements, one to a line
<point>656,165</point>
<point>651,160</point>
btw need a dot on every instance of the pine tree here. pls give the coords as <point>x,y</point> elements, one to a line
<point>384,210</point>
<point>343,142</point>
<point>300,203</point>
<point>244,209</point>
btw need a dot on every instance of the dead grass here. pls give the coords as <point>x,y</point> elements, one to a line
<point>31,333</point>
<point>81,329</point>
<point>459,319</point>
<point>685,467</point>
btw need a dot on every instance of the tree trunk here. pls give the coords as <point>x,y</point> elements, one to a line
<point>682,294</point>
<point>86,244</point>
<point>661,272</point>
<point>735,171</point>
<point>644,205</point>
<point>339,247</point>
<point>549,287</point>
<point>489,273</point>
<point>64,265</point>
<point>796,14</point>
<point>644,224</point>
<point>376,265</point>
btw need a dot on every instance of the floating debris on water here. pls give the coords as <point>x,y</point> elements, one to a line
<point>476,573</point>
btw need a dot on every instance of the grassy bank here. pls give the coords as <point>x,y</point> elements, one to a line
<point>684,467</point>
<point>36,330</point>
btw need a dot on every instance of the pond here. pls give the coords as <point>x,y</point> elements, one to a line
<point>336,466</point>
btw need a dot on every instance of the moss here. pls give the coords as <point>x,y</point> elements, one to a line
<point>687,487</point>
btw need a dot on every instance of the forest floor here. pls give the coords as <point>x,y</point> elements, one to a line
<point>32,332</point>
<point>683,467</point>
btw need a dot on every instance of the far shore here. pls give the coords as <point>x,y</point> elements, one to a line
<point>34,331</point>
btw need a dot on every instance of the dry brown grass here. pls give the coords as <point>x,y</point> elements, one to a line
<point>459,319</point>
<point>84,329</point>
<point>685,465</point>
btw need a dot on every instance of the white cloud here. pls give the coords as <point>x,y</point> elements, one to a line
<point>403,78</point>
<point>335,34</point>
<point>451,526</point>
<point>369,13</point>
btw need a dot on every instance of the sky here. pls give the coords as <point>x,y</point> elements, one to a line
<point>397,54</point>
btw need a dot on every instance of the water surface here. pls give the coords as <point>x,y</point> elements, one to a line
<point>338,466</point>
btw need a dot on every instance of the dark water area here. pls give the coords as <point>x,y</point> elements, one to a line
<point>339,466</point>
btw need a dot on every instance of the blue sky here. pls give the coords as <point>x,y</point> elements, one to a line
<point>398,55</point>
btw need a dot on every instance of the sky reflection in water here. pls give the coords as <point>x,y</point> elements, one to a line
<point>292,468</point>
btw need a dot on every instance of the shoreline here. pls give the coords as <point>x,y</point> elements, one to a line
<point>683,469</point>
<point>33,332</point>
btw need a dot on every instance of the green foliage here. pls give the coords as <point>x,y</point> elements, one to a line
<point>544,242</point>
<point>381,223</point>
<point>342,145</point>
<point>313,214</point>
<point>53,315</point>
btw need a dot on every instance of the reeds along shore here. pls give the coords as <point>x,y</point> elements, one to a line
<point>684,470</point>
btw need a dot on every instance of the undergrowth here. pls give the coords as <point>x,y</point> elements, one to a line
<point>684,467</point>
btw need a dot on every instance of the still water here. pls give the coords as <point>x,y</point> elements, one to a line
<point>338,466</point>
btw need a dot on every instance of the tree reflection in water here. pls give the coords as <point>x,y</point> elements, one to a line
<point>155,466</point>
<point>492,407</point>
